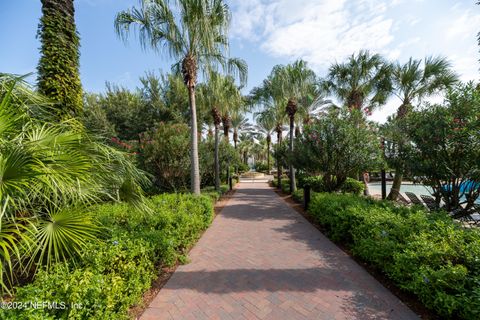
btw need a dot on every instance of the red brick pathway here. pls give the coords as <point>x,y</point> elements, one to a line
<point>262,260</point>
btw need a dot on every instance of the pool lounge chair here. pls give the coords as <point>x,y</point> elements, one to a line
<point>413,198</point>
<point>430,202</point>
<point>475,215</point>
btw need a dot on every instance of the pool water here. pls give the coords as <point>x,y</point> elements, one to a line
<point>418,189</point>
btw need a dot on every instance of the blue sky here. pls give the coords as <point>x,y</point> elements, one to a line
<point>264,33</point>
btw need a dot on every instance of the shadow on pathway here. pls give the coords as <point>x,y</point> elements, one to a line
<point>262,260</point>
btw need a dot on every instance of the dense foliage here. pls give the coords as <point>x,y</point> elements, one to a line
<point>58,74</point>
<point>164,154</point>
<point>338,145</point>
<point>426,254</point>
<point>195,35</point>
<point>115,271</point>
<point>448,161</point>
<point>48,169</point>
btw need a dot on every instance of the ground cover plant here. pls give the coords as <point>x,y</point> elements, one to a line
<point>117,267</point>
<point>426,254</point>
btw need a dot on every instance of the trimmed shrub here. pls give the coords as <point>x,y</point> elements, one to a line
<point>115,271</point>
<point>315,182</point>
<point>427,254</point>
<point>298,195</point>
<point>352,186</point>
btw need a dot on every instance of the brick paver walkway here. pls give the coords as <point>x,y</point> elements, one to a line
<point>262,260</point>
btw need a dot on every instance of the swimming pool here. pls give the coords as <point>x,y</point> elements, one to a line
<point>418,189</point>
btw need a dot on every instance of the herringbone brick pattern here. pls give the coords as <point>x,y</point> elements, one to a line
<point>262,260</point>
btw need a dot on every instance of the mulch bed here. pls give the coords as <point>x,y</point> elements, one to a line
<point>406,297</point>
<point>165,273</point>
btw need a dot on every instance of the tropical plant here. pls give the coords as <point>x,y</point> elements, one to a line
<point>449,160</point>
<point>269,96</point>
<point>298,86</point>
<point>164,154</point>
<point>362,83</point>
<point>412,83</point>
<point>47,168</point>
<point>337,146</point>
<point>265,126</point>
<point>240,123</point>
<point>221,95</point>
<point>58,75</point>
<point>195,34</point>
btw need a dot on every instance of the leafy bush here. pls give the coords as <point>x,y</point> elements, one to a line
<point>115,271</point>
<point>227,154</point>
<point>426,254</point>
<point>449,162</point>
<point>315,183</point>
<point>47,166</point>
<point>352,186</point>
<point>285,185</point>
<point>339,145</point>
<point>297,195</point>
<point>261,166</point>
<point>165,154</point>
<point>243,167</point>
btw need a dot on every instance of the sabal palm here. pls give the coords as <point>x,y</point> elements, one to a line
<point>195,34</point>
<point>362,82</point>
<point>236,105</point>
<point>276,115</point>
<point>298,84</point>
<point>240,123</point>
<point>213,96</point>
<point>245,145</point>
<point>413,82</point>
<point>265,126</point>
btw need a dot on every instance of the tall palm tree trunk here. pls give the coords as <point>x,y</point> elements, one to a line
<point>235,138</point>
<point>217,160</point>
<point>293,186</point>
<point>216,123</point>
<point>398,179</point>
<point>279,166</point>
<point>226,129</point>
<point>268,153</point>
<point>291,111</point>
<point>189,73</point>
<point>195,168</point>
<point>396,185</point>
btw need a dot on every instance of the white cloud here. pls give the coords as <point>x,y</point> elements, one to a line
<point>325,31</point>
<point>318,31</point>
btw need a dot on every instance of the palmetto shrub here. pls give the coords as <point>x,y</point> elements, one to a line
<point>115,271</point>
<point>49,168</point>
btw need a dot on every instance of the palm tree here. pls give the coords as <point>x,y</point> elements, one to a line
<point>269,96</point>
<point>58,74</point>
<point>47,168</point>
<point>239,124</point>
<point>298,85</point>
<point>265,126</point>
<point>313,109</point>
<point>195,34</point>
<point>412,84</point>
<point>245,145</point>
<point>362,83</point>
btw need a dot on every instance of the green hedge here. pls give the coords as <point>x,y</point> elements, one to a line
<point>285,184</point>
<point>224,188</point>
<point>114,272</point>
<point>426,254</point>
